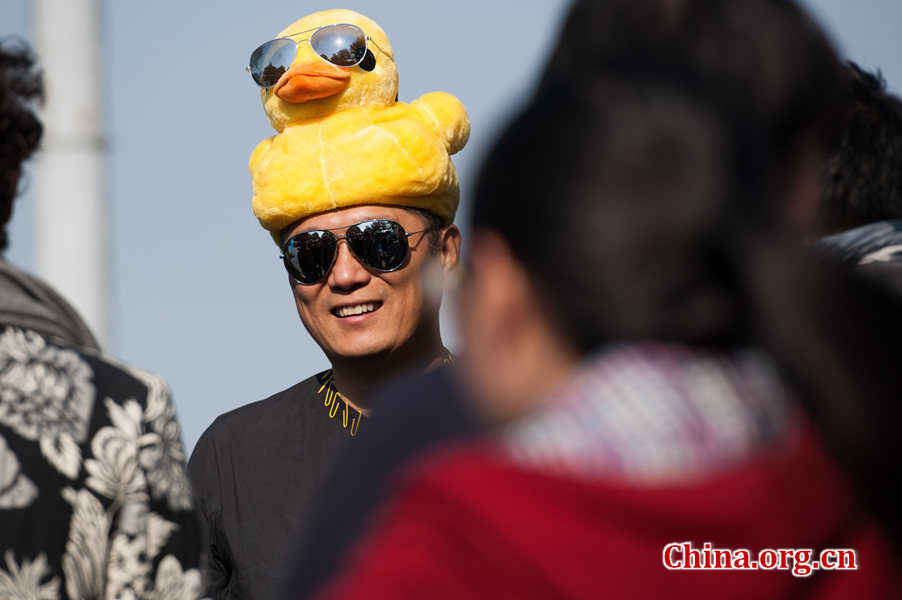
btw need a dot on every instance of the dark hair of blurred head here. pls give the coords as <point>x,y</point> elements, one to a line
<point>21,87</point>
<point>766,54</point>
<point>622,193</point>
<point>861,166</point>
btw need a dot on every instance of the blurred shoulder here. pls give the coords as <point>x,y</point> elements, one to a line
<point>430,402</point>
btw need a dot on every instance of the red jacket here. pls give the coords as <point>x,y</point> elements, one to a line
<point>470,524</point>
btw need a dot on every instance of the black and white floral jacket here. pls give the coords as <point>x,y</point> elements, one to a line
<point>94,497</point>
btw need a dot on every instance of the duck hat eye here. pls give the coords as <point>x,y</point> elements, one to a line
<point>369,62</point>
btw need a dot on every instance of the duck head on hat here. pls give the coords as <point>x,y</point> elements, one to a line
<point>344,140</point>
<point>313,87</point>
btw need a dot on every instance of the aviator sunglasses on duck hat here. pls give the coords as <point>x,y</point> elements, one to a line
<point>341,44</point>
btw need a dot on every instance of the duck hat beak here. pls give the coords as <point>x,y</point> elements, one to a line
<point>310,81</point>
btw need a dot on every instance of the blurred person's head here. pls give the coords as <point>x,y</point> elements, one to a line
<point>608,211</point>
<point>765,56</point>
<point>861,166</point>
<point>21,87</point>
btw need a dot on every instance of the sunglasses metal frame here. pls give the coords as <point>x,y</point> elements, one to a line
<point>366,40</point>
<point>343,236</point>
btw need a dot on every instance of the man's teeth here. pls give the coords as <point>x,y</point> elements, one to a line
<point>359,309</point>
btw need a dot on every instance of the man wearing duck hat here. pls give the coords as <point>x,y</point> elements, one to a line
<point>359,192</point>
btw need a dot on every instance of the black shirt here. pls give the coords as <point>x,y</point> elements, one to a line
<point>257,471</point>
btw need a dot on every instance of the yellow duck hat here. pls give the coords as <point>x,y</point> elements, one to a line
<point>345,141</point>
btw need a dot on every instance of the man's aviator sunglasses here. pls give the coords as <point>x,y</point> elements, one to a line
<point>342,44</point>
<point>379,244</point>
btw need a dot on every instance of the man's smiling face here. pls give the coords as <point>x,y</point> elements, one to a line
<point>356,311</point>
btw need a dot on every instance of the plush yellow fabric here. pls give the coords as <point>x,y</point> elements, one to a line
<point>358,146</point>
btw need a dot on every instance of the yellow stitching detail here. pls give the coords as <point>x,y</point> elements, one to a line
<point>331,402</point>
<point>327,378</point>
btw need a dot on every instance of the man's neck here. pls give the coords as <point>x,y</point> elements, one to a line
<point>357,378</point>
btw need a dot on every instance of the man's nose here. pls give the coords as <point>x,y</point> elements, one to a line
<point>347,272</point>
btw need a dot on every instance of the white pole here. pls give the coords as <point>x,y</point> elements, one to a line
<point>70,180</point>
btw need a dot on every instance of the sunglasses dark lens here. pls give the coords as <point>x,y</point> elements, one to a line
<point>342,45</point>
<point>309,256</point>
<point>271,60</point>
<point>381,245</point>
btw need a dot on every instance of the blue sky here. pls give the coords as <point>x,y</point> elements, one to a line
<point>198,292</point>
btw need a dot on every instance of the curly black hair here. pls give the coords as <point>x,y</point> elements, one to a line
<point>861,167</point>
<point>21,88</point>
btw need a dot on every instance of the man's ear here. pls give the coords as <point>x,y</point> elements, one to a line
<point>449,249</point>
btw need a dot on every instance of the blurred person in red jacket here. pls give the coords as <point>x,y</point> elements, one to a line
<point>664,371</point>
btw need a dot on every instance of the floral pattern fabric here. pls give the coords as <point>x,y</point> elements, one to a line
<point>94,495</point>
